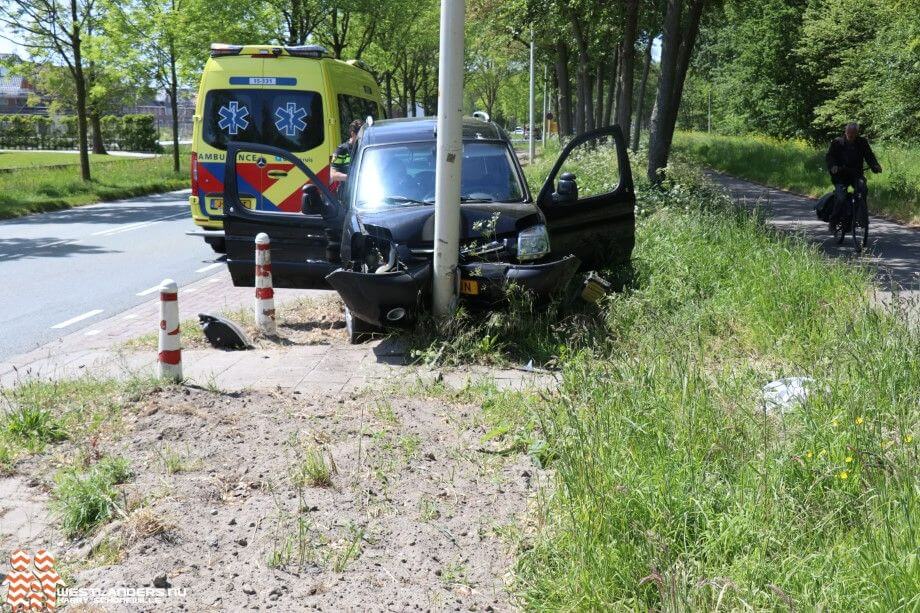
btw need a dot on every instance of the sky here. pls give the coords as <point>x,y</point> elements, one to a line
<point>6,46</point>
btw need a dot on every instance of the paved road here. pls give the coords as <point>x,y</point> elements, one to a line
<point>894,249</point>
<point>65,270</point>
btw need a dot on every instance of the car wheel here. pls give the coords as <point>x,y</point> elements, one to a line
<point>219,245</point>
<point>357,329</point>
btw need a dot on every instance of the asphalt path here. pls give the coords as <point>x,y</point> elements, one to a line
<point>61,272</point>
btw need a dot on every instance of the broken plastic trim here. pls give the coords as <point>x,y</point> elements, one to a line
<point>371,297</point>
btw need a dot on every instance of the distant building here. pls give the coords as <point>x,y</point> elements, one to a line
<point>160,109</point>
<point>16,89</point>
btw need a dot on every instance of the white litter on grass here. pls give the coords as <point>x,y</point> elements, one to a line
<point>785,394</point>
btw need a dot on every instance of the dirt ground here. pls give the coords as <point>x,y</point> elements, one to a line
<point>306,321</point>
<point>283,501</point>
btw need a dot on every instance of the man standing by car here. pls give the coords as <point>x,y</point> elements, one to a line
<point>846,158</point>
<point>341,159</point>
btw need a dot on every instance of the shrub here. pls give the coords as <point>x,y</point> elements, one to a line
<point>126,132</point>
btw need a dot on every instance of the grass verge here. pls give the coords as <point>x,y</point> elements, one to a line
<point>673,487</point>
<point>14,160</point>
<point>798,167</point>
<point>86,499</point>
<point>34,190</point>
<point>37,413</point>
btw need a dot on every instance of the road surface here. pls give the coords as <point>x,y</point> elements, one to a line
<point>66,270</point>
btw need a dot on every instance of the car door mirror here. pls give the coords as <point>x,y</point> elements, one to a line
<point>312,200</point>
<point>566,189</point>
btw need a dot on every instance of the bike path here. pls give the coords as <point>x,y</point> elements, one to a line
<point>894,249</point>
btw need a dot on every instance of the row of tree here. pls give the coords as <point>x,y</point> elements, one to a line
<point>597,54</point>
<point>803,68</point>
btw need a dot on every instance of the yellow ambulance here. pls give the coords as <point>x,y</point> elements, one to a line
<point>296,98</point>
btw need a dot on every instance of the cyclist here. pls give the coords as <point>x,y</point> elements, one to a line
<point>846,158</point>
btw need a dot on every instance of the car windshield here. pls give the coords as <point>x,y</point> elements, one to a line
<point>403,174</point>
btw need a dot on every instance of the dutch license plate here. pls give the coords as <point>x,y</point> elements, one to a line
<point>469,287</point>
<point>217,204</point>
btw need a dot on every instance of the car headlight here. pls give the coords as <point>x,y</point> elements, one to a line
<point>533,243</point>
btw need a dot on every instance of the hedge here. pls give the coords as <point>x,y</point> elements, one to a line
<point>121,132</point>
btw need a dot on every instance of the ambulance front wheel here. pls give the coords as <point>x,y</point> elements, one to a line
<point>219,245</point>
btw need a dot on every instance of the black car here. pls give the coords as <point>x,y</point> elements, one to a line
<point>372,240</point>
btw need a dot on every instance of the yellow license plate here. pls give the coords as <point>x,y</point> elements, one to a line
<point>469,287</point>
<point>217,204</point>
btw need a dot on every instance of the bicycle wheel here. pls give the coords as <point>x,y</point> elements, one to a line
<point>860,225</point>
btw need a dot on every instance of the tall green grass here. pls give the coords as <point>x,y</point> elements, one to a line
<point>32,190</point>
<point>673,488</point>
<point>799,167</point>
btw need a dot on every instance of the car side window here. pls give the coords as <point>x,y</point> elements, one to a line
<point>354,107</point>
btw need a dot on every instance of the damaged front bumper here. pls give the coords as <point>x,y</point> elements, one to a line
<point>395,298</point>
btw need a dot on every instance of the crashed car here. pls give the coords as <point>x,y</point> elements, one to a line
<point>373,240</point>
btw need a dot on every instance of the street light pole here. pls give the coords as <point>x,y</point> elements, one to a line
<point>531,150</point>
<point>449,159</point>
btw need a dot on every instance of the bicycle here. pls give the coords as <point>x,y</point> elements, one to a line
<point>854,218</point>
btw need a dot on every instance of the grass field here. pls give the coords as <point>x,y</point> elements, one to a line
<point>30,159</point>
<point>33,190</point>
<point>798,167</point>
<point>673,488</point>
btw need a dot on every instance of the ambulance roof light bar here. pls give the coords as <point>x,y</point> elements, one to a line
<point>316,51</point>
<point>221,49</point>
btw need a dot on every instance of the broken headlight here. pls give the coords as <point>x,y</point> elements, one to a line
<point>533,243</point>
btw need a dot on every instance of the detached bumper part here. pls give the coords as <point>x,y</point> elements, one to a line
<point>539,279</point>
<point>386,299</point>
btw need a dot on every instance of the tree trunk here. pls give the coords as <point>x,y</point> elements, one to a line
<point>641,101</point>
<point>80,83</point>
<point>599,92</point>
<point>174,105</point>
<point>388,79</point>
<point>688,40</point>
<point>627,61</point>
<point>659,142</point>
<point>584,109</point>
<point>609,117</point>
<point>590,122</point>
<point>95,123</point>
<point>564,116</point>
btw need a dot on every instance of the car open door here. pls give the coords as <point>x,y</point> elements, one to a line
<point>264,192</point>
<point>589,202</point>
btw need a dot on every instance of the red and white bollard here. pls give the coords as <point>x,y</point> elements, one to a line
<point>169,358</point>
<point>265,295</point>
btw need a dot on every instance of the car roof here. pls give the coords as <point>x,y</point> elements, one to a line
<point>411,129</point>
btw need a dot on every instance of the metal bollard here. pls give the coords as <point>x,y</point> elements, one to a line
<point>169,357</point>
<point>265,295</point>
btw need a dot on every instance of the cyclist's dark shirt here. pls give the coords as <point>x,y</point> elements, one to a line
<point>849,157</point>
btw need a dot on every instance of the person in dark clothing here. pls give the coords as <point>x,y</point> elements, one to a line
<point>341,159</point>
<point>846,158</point>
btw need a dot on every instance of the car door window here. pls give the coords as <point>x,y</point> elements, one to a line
<point>595,164</point>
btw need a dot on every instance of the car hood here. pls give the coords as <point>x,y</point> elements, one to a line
<point>414,225</point>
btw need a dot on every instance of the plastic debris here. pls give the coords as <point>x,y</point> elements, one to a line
<point>223,333</point>
<point>595,288</point>
<point>786,394</point>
